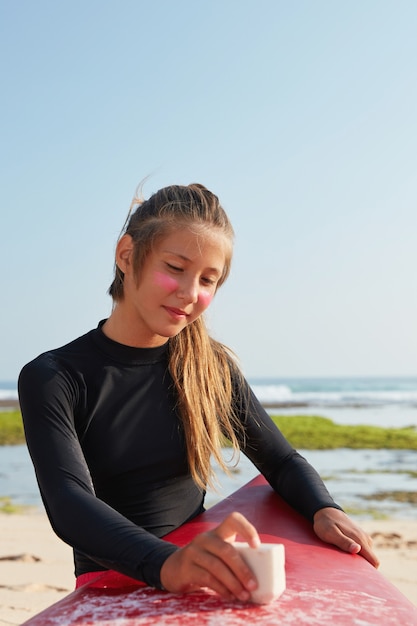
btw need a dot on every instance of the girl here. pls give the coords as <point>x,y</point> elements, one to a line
<point>121,423</point>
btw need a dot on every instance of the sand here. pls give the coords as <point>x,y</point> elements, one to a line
<point>36,568</point>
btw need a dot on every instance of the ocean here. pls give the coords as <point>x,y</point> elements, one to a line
<point>366,392</point>
<point>355,478</point>
<point>358,392</point>
<point>8,390</point>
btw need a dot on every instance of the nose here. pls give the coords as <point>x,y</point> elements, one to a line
<point>188,291</point>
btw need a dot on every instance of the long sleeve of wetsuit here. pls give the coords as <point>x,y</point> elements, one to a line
<point>289,473</point>
<point>47,398</point>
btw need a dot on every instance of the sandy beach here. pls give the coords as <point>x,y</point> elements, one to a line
<point>36,567</point>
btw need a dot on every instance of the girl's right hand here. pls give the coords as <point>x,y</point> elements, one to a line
<point>210,560</point>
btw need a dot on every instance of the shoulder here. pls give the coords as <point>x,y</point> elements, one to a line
<point>58,362</point>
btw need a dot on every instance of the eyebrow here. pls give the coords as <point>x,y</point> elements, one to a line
<point>215,270</point>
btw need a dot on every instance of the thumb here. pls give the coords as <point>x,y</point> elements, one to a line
<point>236,524</point>
<point>353,547</point>
<point>346,543</point>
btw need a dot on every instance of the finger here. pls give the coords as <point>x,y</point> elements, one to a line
<point>370,556</point>
<point>236,524</point>
<point>364,548</point>
<point>223,569</point>
<point>203,579</point>
<point>223,561</point>
<point>188,570</point>
<point>357,543</point>
<point>365,542</point>
<point>334,526</point>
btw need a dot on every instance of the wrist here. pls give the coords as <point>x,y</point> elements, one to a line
<point>326,511</point>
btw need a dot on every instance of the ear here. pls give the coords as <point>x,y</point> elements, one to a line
<point>124,252</point>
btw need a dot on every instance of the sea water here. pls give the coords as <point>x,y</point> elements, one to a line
<point>352,476</point>
<point>8,390</point>
<point>355,478</point>
<point>338,392</point>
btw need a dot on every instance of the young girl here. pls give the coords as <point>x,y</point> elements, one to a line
<point>121,423</point>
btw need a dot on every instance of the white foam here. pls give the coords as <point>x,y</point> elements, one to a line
<point>8,394</point>
<point>339,397</point>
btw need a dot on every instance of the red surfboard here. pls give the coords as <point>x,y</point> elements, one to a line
<point>323,584</point>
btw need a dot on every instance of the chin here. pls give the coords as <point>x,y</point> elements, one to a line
<point>168,333</point>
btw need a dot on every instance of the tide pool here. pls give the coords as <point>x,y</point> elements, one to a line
<point>351,476</point>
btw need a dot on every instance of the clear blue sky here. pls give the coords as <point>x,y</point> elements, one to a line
<point>301,116</point>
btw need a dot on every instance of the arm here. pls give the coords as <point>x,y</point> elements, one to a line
<point>290,475</point>
<point>49,397</point>
<point>295,480</point>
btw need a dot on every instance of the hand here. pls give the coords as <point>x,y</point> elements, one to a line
<point>210,560</point>
<point>334,526</point>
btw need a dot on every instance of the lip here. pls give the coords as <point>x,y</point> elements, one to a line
<point>178,314</point>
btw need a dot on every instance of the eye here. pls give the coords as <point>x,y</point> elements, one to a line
<point>209,282</point>
<point>174,268</point>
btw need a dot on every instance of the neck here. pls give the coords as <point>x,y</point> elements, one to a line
<point>124,328</point>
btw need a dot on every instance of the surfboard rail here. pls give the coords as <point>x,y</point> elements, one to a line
<point>324,584</point>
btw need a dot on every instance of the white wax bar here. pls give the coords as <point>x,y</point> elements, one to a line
<point>268,565</point>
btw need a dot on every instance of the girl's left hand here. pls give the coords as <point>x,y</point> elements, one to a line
<point>334,526</point>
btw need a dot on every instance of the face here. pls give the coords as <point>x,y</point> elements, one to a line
<point>176,284</point>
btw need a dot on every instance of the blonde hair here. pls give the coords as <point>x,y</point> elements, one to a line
<point>202,369</point>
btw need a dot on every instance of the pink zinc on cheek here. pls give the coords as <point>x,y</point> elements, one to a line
<point>166,282</point>
<point>205,297</point>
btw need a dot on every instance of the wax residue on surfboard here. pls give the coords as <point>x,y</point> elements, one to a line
<point>267,562</point>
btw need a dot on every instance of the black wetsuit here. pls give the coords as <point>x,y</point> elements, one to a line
<point>110,459</point>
